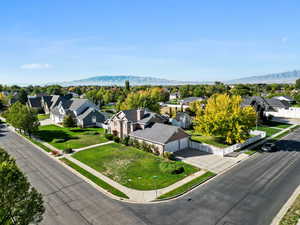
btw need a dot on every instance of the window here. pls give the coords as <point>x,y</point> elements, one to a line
<point>94,119</point>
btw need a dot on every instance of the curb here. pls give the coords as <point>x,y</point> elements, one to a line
<point>286,207</point>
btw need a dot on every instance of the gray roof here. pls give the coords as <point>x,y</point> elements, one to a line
<point>287,97</point>
<point>276,103</point>
<point>34,102</point>
<point>190,99</point>
<point>92,111</point>
<point>160,133</point>
<point>266,102</point>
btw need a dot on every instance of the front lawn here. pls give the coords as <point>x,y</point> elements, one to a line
<point>43,116</point>
<point>269,130</point>
<point>133,168</point>
<point>211,140</point>
<point>74,138</point>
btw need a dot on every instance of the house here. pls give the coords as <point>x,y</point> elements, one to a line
<point>34,102</point>
<point>188,100</point>
<point>127,121</point>
<point>288,99</point>
<point>182,120</point>
<point>173,96</point>
<point>84,112</point>
<point>165,138</point>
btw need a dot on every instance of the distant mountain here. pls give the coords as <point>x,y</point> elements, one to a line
<point>285,77</point>
<point>119,80</point>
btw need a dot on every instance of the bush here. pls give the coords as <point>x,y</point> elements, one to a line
<point>109,136</point>
<point>55,153</point>
<point>169,155</point>
<point>58,140</point>
<point>69,121</point>
<point>136,143</point>
<point>116,139</point>
<point>125,141</point>
<point>171,168</point>
<point>68,150</point>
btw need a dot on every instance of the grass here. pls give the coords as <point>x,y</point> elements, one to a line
<point>269,130</point>
<point>71,137</point>
<point>131,167</point>
<point>43,116</point>
<point>293,214</point>
<point>188,186</point>
<point>94,179</point>
<point>211,140</point>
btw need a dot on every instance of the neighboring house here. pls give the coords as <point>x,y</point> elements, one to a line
<point>34,102</point>
<point>85,113</point>
<point>182,120</point>
<point>165,138</point>
<point>288,99</point>
<point>188,100</point>
<point>127,121</point>
<point>175,95</point>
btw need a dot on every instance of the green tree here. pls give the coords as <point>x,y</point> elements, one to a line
<point>69,121</point>
<point>297,85</point>
<point>20,204</point>
<point>22,118</point>
<point>127,85</point>
<point>22,96</point>
<point>223,116</point>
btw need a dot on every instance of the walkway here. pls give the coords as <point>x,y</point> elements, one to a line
<point>92,146</point>
<point>136,195</point>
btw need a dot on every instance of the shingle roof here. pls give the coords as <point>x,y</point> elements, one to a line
<point>160,133</point>
<point>276,103</point>
<point>35,102</point>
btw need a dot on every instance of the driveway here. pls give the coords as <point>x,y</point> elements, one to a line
<point>214,163</point>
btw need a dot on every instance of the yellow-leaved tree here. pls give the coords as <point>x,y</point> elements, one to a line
<point>223,116</point>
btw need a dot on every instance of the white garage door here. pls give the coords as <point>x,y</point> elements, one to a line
<point>184,143</point>
<point>172,146</point>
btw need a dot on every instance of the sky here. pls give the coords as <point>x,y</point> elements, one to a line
<point>196,40</point>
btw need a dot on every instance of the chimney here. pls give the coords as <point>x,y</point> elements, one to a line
<point>140,114</point>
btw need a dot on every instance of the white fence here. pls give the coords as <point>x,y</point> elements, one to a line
<point>224,151</point>
<point>292,112</point>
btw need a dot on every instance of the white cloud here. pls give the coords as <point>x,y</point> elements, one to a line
<point>34,66</point>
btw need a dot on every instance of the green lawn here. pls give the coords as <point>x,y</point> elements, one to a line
<point>293,214</point>
<point>71,137</point>
<point>188,186</point>
<point>131,167</point>
<point>269,130</point>
<point>43,116</point>
<point>94,179</point>
<point>211,140</point>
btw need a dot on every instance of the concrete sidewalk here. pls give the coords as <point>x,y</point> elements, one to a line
<point>136,195</point>
<point>92,146</point>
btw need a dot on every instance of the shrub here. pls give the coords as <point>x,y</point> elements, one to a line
<point>130,142</point>
<point>136,143</point>
<point>68,150</point>
<point>171,168</point>
<point>116,139</point>
<point>55,153</point>
<point>69,121</point>
<point>125,141</point>
<point>168,155</point>
<point>58,140</point>
<point>109,136</point>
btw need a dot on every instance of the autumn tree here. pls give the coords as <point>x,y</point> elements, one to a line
<point>223,116</point>
<point>19,202</point>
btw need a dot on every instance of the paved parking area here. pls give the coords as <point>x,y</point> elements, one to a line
<point>214,163</point>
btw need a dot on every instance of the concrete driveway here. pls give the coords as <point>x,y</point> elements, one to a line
<point>214,163</point>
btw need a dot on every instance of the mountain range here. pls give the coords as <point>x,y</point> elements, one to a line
<point>119,80</point>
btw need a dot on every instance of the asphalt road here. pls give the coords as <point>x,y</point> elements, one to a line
<point>250,194</point>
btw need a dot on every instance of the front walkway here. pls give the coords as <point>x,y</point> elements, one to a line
<point>46,122</point>
<point>214,163</point>
<point>136,195</point>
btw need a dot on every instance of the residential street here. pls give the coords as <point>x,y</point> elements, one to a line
<point>249,194</point>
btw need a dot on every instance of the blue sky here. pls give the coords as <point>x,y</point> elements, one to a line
<point>62,40</point>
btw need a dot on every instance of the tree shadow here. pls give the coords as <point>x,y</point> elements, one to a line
<point>49,135</point>
<point>288,145</point>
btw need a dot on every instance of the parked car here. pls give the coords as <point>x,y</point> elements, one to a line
<point>269,147</point>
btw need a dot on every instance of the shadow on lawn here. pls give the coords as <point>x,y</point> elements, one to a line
<point>49,135</point>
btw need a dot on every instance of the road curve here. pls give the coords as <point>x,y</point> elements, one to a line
<point>250,194</point>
